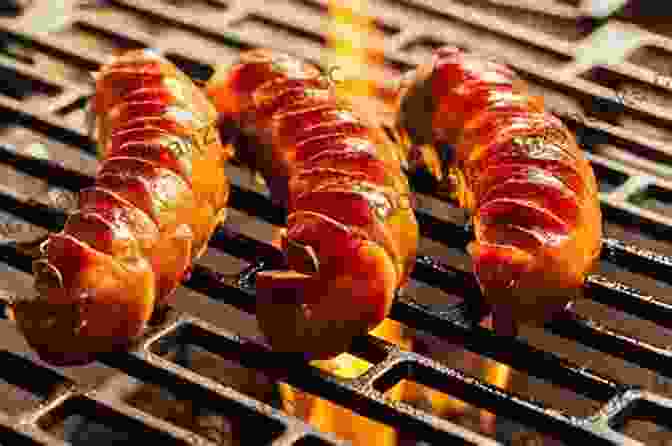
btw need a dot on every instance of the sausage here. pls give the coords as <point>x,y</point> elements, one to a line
<point>351,233</point>
<point>517,169</point>
<point>158,195</point>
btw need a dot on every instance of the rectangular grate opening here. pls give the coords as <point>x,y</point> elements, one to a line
<point>635,97</point>
<point>197,6</point>
<point>608,179</point>
<point>458,398</point>
<point>133,19</point>
<point>498,46</point>
<point>44,59</point>
<point>217,420</point>
<point>213,410</point>
<point>646,422</point>
<point>654,58</point>
<point>263,27</point>
<point>562,27</point>
<point>81,421</point>
<point>217,358</point>
<point>560,395</point>
<point>13,228</point>
<point>629,90</point>
<point>647,432</point>
<point>637,156</point>
<point>25,385</point>
<point>463,414</point>
<point>21,87</point>
<point>185,347</point>
<point>193,415</point>
<point>22,145</point>
<point>84,35</point>
<point>16,49</point>
<point>654,198</point>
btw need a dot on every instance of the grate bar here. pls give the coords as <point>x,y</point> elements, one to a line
<point>82,56</point>
<point>629,299</point>
<point>20,434</point>
<point>180,434</point>
<point>56,399</point>
<point>596,335</point>
<point>210,25</point>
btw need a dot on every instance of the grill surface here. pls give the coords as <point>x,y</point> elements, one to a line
<point>610,350</point>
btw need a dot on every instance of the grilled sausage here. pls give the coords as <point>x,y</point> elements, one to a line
<point>351,232</point>
<point>518,170</point>
<point>158,195</point>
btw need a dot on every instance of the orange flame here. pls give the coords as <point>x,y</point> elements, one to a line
<point>355,47</point>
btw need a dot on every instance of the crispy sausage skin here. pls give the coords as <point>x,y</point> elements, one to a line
<point>351,234</point>
<point>531,192</point>
<point>158,195</point>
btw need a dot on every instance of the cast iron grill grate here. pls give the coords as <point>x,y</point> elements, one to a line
<point>44,152</point>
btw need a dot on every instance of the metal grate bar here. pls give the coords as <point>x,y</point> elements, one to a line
<point>610,341</point>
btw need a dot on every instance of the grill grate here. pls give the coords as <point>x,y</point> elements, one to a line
<point>44,62</point>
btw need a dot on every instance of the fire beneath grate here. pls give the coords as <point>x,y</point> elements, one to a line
<point>203,376</point>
